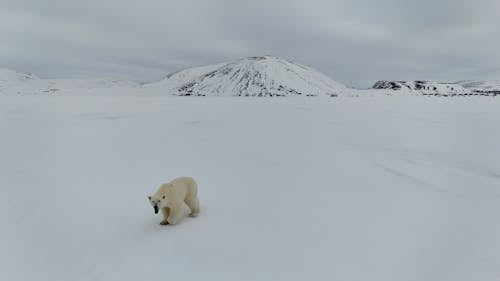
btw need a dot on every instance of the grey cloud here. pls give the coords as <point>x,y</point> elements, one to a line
<point>355,42</point>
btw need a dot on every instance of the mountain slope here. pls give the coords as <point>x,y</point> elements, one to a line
<point>253,76</point>
<point>176,79</point>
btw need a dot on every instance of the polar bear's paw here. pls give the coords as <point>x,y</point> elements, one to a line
<point>164,222</point>
<point>193,215</point>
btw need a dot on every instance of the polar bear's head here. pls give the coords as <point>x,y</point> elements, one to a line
<point>158,202</point>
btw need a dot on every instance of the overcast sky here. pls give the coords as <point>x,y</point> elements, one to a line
<point>355,42</point>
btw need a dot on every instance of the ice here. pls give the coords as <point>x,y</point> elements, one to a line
<point>369,188</point>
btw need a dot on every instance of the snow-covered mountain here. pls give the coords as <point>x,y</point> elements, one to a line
<point>253,76</point>
<point>423,87</point>
<point>13,82</point>
<point>461,88</point>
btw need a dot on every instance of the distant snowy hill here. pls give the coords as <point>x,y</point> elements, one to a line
<point>461,88</point>
<point>253,76</point>
<point>422,87</point>
<point>8,76</point>
<point>13,82</point>
<point>485,87</point>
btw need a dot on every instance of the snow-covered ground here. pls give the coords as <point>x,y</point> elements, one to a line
<point>370,188</point>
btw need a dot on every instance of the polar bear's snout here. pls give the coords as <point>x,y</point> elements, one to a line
<point>156,203</point>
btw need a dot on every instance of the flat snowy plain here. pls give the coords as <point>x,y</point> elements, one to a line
<point>370,188</point>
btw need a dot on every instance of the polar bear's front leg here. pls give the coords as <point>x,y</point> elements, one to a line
<point>175,215</point>
<point>165,212</point>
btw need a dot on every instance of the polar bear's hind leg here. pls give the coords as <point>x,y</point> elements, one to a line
<point>194,205</point>
<point>175,214</point>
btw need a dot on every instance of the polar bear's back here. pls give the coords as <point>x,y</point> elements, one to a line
<point>179,189</point>
<point>186,183</point>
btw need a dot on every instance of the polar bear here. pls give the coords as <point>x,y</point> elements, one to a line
<point>170,199</point>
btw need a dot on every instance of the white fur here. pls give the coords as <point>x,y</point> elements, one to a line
<point>170,199</point>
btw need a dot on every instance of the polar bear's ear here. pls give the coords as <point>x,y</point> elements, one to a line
<point>149,197</point>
